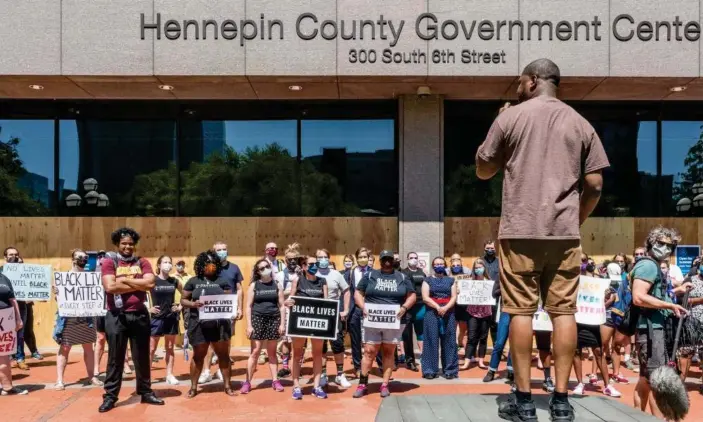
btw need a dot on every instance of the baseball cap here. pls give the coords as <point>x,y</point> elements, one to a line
<point>386,254</point>
<point>181,262</point>
<point>614,271</point>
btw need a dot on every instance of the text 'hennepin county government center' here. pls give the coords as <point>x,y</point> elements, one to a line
<point>337,124</point>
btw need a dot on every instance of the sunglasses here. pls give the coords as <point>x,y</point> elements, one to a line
<point>264,267</point>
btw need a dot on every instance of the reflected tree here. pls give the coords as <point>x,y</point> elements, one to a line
<point>693,173</point>
<point>14,201</point>
<point>467,195</point>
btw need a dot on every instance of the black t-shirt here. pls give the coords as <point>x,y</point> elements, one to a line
<point>386,289</point>
<point>232,274</point>
<point>205,287</point>
<point>265,298</point>
<point>416,277</point>
<point>163,295</point>
<point>6,292</point>
<point>311,288</point>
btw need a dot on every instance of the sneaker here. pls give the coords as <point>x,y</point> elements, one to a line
<point>205,376</point>
<point>489,376</point>
<point>213,360</point>
<point>262,359</point>
<point>341,380</point>
<point>548,385</point>
<point>171,380</point>
<point>510,377</point>
<point>611,391</point>
<point>513,411</point>
<point>96,382</point>
<point>385,392</point>
<point>59,386</point>
<point>628,364</point>
<point>579,389</point>
<point>513,388</point>
<point>37,356</point>
<point>220,376</point>
<point>620,379</point>
<point>277,386</point>
<point>323,379</point>
<point>592,379</point>
<point>319,393</point>
<point>246,388</point>
<point>22,365</point>
<point>361,391</point>
<point>560,412</point>
<point>297,393</point>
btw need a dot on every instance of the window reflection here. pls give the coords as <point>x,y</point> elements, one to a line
<point>239,168</point>
<point>682,161</point>
<point>27,167</point>
<point>131,161</point>
<point>349,167</point>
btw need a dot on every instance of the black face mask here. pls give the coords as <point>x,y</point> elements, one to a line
<point>590,268</point>
<point>396,265</point>
<point>81,263</point>
<point>13,260</point>
<point>292,264</point>
<point>490,253</point>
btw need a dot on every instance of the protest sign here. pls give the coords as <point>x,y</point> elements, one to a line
<point>474,292</point>
<point>30,282</point>
<point>313,318</point>
<point>8,336</point>
<point>684,256</point>
<point>218,307</point>
<point>424,263</point>
<point>541,321</point>
<point>590,302</point>
<point>79,294</point>
<point>382,316</point>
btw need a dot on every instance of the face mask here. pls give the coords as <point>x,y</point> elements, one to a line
<point>362,261</point>
<point>292,264</point>
<point>637,258</point>
<point>622,265</point>
<point>439,269</point>
<point>179,268</point>
<point>266,273</point>
<point>210,270</point>
<point>490,252</point>
<point>222,255</point>
<point>272,252</point>
<point>665,271</point>
<point>412,262</point>
<point>590,268</point>
<point>312,269</point>
<point>13,260</point>
<point>166,267</point>
<point>457,269</point>
<point>323,262</point>
<point>479,271</point>
<point>81,262</point>
<point>347,265</point>
<point>661,251</point>
<point>584,265</point>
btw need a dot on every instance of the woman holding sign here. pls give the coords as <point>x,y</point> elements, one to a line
<point>439,292</point>
<point>207,332</point>
<point>264,322</point>
<point>11,324</point>
<point>313,287</point>
<point>479,322</point>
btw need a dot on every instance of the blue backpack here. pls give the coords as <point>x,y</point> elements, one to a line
<point>624,314</point>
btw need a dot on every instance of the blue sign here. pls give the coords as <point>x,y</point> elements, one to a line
<point>685,255</point>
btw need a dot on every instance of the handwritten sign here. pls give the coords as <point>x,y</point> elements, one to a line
<point>8,336</point>
<point>31,282</point>
<point>541,321</point>
<point>590,303</point>
<point>474,292</point>
<point>424,263</point>
<point>684,256</point>
<point>382,316</point>
<point>218,307</point>
<point>313,318</point>
<point>79,294</point>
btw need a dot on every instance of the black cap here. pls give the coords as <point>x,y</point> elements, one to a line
<point>181,262</point>
<point>386,254</point>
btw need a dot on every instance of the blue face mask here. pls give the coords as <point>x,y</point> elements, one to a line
<point>312,269</point>
<point>456,269</point>
<point>323,262</point>
<point>439,269</point>
<point>222,255</point>
<point>479,271</point>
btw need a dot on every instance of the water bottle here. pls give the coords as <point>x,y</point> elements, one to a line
<point>118,301</point>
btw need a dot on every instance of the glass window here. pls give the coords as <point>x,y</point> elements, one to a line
<point>349,168</point>
<point>239,168</point>
<point>27,167</point>
<point>121,168</point>
<point>682,162</point>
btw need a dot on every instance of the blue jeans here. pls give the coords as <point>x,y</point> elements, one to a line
<point>20,334</point>
<point>499,345</point>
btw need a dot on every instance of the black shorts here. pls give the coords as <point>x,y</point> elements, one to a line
<point>461,313</point>
<point>651,355</point>
<point>164,327</point>
<point>588,336</point>
<point>100,324</point>
<point>265,327</point>
<point>543,340</point>
<point>200,332</point>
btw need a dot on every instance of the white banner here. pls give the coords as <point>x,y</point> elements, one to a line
<point>30,282</point>
<point>541,321</point>
<point>590,303</point>
<point>424,263</point>
<point>382,316</point>
<point>218,307</point>
<point>79,294</point>
<point>8,335</point>
<point>475,292</point>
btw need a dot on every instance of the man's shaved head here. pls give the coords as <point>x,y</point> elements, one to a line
<point>541,77</point>
<point>544,69</point>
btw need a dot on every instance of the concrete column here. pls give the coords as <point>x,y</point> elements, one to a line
<point>421,216</point>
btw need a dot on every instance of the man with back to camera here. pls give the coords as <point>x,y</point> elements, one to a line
<point>541,145</point>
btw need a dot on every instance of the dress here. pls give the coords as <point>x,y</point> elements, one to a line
<point>440,331</point>
<point>78,330</point>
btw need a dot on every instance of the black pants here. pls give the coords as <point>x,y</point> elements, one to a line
<point>121,328</point>
<point>478,333</point>
<point>338,343</point>
<point>355,336</point>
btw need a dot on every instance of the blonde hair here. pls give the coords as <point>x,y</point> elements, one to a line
<point>362,250</point>
<point>293,249</point>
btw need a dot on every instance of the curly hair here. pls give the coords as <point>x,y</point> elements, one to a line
<point>659,232</point>
<point>256,276</point>
<point>204,258</point>
<point>118,234</point>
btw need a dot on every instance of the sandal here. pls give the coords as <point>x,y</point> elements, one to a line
<point>229,392</point>
<point>192,393</point>
<point>14,391</point>
<point>96,382</point>
<point>59,386</point>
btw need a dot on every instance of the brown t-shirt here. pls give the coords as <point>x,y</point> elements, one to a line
<point>544,146</point>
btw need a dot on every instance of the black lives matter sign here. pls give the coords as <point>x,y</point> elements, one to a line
<point>313,318</point>
<point>218,307</point>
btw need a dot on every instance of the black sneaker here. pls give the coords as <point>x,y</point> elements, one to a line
<point>511,410</point>
<point>489,376</point>
<point>560,412</point>
<point>510,378</point>
<point>548,385</point>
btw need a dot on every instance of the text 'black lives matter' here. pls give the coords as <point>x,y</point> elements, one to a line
<point>313,318</point>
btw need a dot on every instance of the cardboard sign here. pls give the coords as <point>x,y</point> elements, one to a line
<point>424,262</point>
<point>541,321</point>
<point>218,307</point>
<point>684,256</point>
<point>313,318</point>
<point>382,316</point>
<point>30,282</point>
<point>8,335</point>
<point>590,303</point>
<point>79,294</point>
<point>474,292</point>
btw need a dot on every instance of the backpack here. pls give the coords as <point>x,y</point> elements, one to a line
<point>624,313</point>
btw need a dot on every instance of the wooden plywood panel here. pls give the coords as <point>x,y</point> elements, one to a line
<point>687,227</point>
<point>607,236</point>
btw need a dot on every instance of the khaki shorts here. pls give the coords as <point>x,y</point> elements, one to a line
<point>530,269</point>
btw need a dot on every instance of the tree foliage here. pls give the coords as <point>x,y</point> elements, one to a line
<point>14,201</point>
<point>693,173</point>
<point>466,194</point>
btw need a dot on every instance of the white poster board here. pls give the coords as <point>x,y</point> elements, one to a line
<point>31,282</point>
<point>79,294</point>
<point>590,302</point>
<point>382,316</point>
<point>8,335</point>
<point>475,292</point>
<point>424,262</point>
<point>217,307</point>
